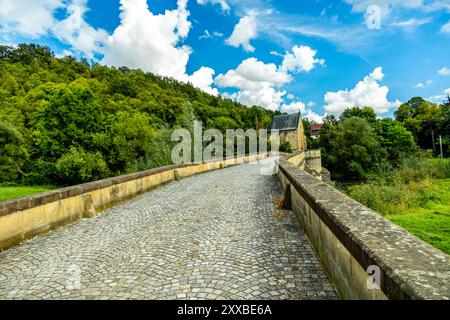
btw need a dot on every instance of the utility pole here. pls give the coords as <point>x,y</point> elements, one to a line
<point>440,142</point>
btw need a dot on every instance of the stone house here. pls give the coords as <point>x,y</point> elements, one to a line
<point>290,128</point>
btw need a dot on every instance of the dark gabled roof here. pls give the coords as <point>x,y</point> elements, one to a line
<point>286,122</point>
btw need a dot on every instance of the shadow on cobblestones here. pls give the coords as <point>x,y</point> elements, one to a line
<point>212,236</point>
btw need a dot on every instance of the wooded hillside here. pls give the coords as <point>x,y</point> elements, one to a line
<point>64,122</point>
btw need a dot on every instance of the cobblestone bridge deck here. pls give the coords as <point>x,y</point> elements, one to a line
<point>211,236</point>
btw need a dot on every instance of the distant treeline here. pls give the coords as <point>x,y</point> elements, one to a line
<point>64,122</point>
<point>358,145</point>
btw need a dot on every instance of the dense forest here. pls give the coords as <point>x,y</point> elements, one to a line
<point>64,121</point>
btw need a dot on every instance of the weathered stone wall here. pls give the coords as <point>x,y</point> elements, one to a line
<point>291,137</point>
<point>314,160</point>
<point>27,217</point>
<point>296,138</point>
<point>302,142</point>
<point>348,238</point>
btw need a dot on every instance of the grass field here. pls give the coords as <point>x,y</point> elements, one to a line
<point>431,223</point>
<point>14,192</point>
<point>415,196</point>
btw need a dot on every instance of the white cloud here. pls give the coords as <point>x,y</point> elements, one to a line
<point>28,18</point>
<point>312,116</point>
<point>347,38</point>
<point>290,96</point>
<point>34,19</point>
<point>266,97</point>
<point>254,75</point>
<point>153,43</point>
<point>302,58</point>
<point>74,30</point>
<point>276,54</point>
<point>437,5</point>
<point>299,106</point>
<point>411,24</point>
<point>203,79</point>
<point>243,32</point>
<point>421,85</point>
<point>311,104</point>
<point>367,92</point>
<point>256,82</point>
<point>293,107</point>
<point>208,35</point>
<point>223,4</point>
<point>446,28</point>
<point>150,42</point>
<point>388,6</point>
<point>385,5</point>
<point>444,71</point>
<point>440,97</point>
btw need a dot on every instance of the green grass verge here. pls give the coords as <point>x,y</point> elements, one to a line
<point>415,196</point>
<point>15,192</point>
<point>432,222</point>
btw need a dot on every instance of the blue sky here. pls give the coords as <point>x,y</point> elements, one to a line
<point>317,56</point>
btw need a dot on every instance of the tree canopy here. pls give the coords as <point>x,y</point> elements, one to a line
<point>358,144</point>
<point>64,121</point>
<point>423,119</point>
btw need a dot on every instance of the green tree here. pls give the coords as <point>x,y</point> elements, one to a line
<point>365,113</point>
<point>122,85</point>
<point>312,143</point>
<point>422,118</point>
<point>307,128</point>
<point>69,120</point>
<point>80,166</point>
<point>222,123</point>
<point>12,152</point>
<point>128,138</point>
<point>444,126</point>
<point>26,53</point>
<point>63,107</point>
<point>397,142</point>
<point>351,148</point>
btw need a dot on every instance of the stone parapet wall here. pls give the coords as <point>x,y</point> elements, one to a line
<point>314,160</point>
<point>349,238</point>
<point>25,218</point>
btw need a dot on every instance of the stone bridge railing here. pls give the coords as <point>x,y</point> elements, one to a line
<point>348,238</point>
<point>27,217</point>
<point>351,240</point>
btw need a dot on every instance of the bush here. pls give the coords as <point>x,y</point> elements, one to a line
<point>286,147</point>
<point>79,166</point>
<point>127,140</point>
<point>39,173</point>
<point>350,148</point>
<point>159,153</point>
<point>417,169</point>
<point>408,187</point>
<point>12,152</point>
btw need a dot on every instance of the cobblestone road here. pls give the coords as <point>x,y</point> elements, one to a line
<point>211,236</point>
